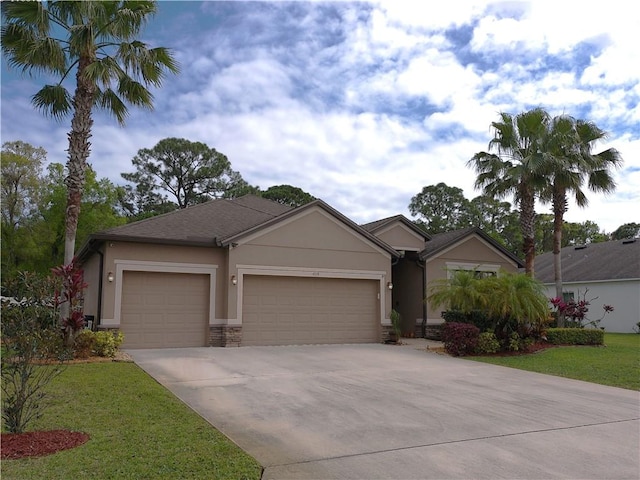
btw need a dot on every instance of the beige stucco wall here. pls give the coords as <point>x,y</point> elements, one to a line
<point>473,251</point>
<point>401,237</point>
<point>206,256</point>
<point>312,244</point>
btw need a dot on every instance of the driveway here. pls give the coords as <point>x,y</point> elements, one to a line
<point>380,411</point>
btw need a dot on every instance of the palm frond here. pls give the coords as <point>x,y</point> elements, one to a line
<point>53,100</point>
<point>135,93</point>
<point>29,52</point>
<point>109,101</point>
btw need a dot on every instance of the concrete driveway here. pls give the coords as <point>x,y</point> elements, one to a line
<point>378,411</point>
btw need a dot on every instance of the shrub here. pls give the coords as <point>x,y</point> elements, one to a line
<point>574,313</point>
<point>513,342</point>
<point>460,338</point>
<point>84,344</point>
<point>507,301</point>
<point>474,317</point>
<point>575,336</point>
<point>487,343</point>
<point>26,344</point>
<point>107,343</point>
<point>70,295</point>
<point>395,318</point>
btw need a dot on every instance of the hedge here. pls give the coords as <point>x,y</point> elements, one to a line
<point>575,336</point>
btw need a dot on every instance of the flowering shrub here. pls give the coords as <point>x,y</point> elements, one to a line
<point>575,313</point>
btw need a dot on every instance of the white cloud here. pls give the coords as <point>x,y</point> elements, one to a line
<point>365,104</point>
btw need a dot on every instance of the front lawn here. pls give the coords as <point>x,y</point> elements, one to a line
<point>138,430</point>
<point>616,364</point>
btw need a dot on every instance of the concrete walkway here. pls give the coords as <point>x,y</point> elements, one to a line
<point>385,411</point>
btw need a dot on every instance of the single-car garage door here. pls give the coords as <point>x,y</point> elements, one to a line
<point>164,309</point>
<point>300,310</point>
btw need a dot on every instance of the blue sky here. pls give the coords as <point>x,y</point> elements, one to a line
<point>364,104</point>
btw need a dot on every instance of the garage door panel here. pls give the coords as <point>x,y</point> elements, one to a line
<point>294,310</point>
<point>162,310</point>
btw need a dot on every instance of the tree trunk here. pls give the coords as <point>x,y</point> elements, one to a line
<point>527,225</point>
<point>79,149</point>
<point>559,207</point>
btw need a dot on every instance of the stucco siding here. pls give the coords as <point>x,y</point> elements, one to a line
<point>315,229</point>
<point>140,252</point>
<point>623,295</point>
<point>401,237</point>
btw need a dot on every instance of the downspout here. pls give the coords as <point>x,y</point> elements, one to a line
<point>423,266</point>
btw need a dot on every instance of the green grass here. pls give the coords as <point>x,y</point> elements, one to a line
<point>138,430</point>
<point>616,364</point>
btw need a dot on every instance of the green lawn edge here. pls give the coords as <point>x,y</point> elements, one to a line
<point>616,364</point>
<point>138,429</point>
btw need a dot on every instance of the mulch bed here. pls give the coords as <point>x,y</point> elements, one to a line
<point>41,443</point>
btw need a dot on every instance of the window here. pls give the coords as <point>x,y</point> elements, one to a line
<point>479,271</point>
<point>568,297</point>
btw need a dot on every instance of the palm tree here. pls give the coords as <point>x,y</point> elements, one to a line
<point>459,291</point>
<point>519,143</point>
<point>96,41</point>
<point>569,161</point>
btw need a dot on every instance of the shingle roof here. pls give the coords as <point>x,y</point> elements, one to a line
<point>217,222</point>
<point>205,223</point>
<point>440,241</point>
<point>378,224</point>
<point>615,260</point>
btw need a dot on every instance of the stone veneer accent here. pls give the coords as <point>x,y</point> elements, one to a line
<point>225,336</point>
<point>386,329</point>
<point>434,332</point>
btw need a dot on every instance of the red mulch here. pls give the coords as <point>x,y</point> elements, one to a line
<point>38,444</point>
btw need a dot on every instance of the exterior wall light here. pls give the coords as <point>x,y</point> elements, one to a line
<point>110,277</point>
<point>390,285</point>
<point>234,280</point>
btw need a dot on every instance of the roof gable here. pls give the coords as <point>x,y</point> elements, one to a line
<point>384,224</point>
<point>442,242</point>
<point>615,260</point>
<point>303,210</point>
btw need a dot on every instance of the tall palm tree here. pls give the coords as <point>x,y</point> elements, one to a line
<point>569,162</point>
<point>94,39</point>
<point>519,143</point>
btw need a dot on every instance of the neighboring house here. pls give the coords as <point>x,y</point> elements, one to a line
<point>249,271</point>
<point>609,273</point>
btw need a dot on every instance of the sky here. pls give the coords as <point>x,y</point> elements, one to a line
<point>364,104</point>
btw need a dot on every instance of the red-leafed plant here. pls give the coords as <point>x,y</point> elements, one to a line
<point>70,299</point>
<point>460,338</point>
<point>575,312</point>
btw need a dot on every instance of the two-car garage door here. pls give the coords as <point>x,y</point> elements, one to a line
<point>280,310</point>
